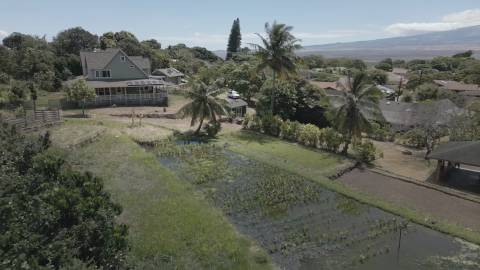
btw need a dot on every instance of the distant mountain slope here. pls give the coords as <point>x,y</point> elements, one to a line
<point>426,46</point>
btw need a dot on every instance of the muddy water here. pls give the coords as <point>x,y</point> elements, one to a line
<point>304,226</point>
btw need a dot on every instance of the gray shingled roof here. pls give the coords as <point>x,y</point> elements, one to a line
<point>235,103</point>
<point>169,72</point>
<point>142,63</point>
<point>98,60</point>
<point>459,152</point>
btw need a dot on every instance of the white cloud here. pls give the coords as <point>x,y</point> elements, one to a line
<point>188,25</point>
<point>449,22</point>
<point>371,25</point>
<point>3,33</point>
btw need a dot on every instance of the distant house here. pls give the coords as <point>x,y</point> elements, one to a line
<point>239,106</point>
<point>394,79</point>
<point>460,88</point>
<point>457,152</point>
<point>121,79</point>
<point>170,75</point>
<point>306,74</point>
<point>402,113</point>
<point>400,71</point>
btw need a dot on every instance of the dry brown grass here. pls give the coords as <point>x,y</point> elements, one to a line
<point>414,166</point>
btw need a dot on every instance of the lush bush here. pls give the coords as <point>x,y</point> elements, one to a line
<point>407,97</point>
<point>246,120</point>
<point>379,133</point>
<point>231,116</point>
<point>309,135</point>
<point>271,124</point>
<point>414,137</point>
<point>331,139</point>
<point>256,123</point>
<point>366,151</point>
<point>52,217</point>
<point>212,129</point>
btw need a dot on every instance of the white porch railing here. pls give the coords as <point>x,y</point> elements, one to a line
<point>120,97</point>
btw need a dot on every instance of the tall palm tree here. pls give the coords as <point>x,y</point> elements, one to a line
<point>205,104</point>
<point>353,111</point>
<point>277,52</point>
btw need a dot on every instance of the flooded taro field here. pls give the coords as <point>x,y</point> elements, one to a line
<point>305,226</point>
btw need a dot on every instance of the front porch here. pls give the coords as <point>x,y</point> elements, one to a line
<point>145,95</point>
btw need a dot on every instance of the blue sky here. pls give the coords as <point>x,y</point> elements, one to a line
<point>207,23</point>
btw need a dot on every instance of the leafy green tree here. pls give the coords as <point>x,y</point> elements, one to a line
<point>80,92</point>
<point>19,91</point>
<point>8,64</point>
<point>441,63</point>
<point>414,80</point>
<point>378,76</point>
<point>18,41</point>
<point>332,62</point>
<point>74,40</point>
<point>470,74</point>
<point>399,64</point>
<point>52,217</point>
<point>387,61</point>
<point>204,103</point>
<point>34,60</point>
<point>468,53</point>
<point>107,40</point>
<point>314,61</point>
<point>357,64</point>
<point>353,112</point>
<point>244,82</point>
<point>204,54</point>
<point>234,40</point>
<point>384,66</point>
<point>277,53</point>
<point>152,44</point>
<point>428,91</point>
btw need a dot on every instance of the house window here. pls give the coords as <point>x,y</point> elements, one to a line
<point>131,66</point>
<point>122,58</point>
<point>119,89</point>
<point>102,74</point>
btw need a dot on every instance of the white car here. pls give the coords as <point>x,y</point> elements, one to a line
<point>233,94</point>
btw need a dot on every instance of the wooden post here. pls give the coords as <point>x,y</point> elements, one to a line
<point>439,167</point>
<point>110,94</point>
<point>125,95</point>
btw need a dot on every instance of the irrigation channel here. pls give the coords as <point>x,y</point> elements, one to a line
<point>305,226</point>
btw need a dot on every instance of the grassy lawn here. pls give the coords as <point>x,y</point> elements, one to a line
<point>292,153</point>
<point>171,225</point>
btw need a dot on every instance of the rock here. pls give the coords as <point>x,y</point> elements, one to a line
<point>406,152</point>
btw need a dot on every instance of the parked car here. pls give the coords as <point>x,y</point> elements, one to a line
<point>233,94</point>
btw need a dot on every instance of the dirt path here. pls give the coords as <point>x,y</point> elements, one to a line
<point>427,200</point>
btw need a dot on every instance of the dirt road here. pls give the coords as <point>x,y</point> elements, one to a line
<point>427,200</point>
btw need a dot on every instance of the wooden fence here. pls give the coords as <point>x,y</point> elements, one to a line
<point>39,119</point>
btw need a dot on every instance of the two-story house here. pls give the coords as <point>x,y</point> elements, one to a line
<point>121,79</point>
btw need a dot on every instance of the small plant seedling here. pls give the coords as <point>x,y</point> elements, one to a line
<point>386,249</point>
<point>362,258</point>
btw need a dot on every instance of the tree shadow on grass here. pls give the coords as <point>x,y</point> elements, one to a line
<point>250,137</point>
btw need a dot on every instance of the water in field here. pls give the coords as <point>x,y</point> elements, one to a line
<point>304,226</point>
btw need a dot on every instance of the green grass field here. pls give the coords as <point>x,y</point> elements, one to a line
<point>171,225</point>
<point>304,156</point>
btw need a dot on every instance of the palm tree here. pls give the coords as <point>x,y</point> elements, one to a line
<point>204,104</point>
<point>352,112</point>
<point>277,53</point>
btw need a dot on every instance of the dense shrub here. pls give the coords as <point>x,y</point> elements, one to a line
<point>212,129</point>
<point>271,124</point>
<point>366,151</point>
<point>379,133</point>
<point>309,135</point>
<point>50,216</point>
<point>256,123</point>
<point>331,139</point>
<point>246,120</point>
